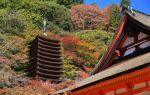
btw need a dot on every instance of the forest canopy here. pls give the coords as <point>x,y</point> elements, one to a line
<point>61,15</point>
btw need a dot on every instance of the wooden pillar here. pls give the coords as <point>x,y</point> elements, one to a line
<point>136,41</point>
<point>129,88</point>
<point>100,92</point>
<point>147,85</point>
<point>93,93</point>
<point>115,93</point>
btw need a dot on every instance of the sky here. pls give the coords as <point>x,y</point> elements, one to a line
<point>141,5</point>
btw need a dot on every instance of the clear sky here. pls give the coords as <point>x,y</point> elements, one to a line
<point>141,5</point>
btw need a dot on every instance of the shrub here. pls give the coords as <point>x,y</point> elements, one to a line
<point>18,66</point>
<point>70,69</point>
<point>52,27</point>
<point>14,49</point>
<point>2,39</point>
<point>5,53</point>
<point>94,44</point>
<point>2,84</point>
<point>70,39</point>
<point>90,59</point>
<point>98,36</point>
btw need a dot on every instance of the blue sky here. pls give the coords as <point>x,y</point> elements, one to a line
<point>141,5</point>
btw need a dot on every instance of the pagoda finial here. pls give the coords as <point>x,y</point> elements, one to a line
<point>44,27</point>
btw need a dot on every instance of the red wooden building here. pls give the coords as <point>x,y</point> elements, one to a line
<point>125,67</point>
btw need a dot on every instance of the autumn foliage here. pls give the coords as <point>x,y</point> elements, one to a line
<point>107,13</point>
<point>36,87</point>
<point>70,39</point>
<point>86,16</point>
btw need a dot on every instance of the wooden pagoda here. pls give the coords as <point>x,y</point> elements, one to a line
<point>45,59</point>
<point>125,67</point>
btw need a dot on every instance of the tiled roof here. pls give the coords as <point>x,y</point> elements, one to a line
<point>141,18</point>
<point>119,68</point>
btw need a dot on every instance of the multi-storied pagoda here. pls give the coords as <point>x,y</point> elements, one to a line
<point>45,59</point>
<point>125,67</point>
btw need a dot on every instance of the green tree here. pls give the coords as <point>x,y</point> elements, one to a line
<point>60,16</point>
<point>11,22</point>
<point>69,3</point>
<point>125,3</point>
<point>34,11</point>
<point>115,15</point>
<point>11,4</point>
<point>57,15</point>
<point>94,3</point>
<point>78,1</point>
<point>3,4</point>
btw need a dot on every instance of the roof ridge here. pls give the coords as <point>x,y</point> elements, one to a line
<point>140,12</point>
<point>128,8</point>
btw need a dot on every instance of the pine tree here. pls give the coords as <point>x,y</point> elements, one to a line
<point>125,3</point>
<point>115,16</point>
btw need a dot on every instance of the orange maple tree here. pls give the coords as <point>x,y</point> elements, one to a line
<point>86,16</point>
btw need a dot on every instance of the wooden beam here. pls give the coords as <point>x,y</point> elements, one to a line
<point>121,53</point>
<point>135,44</point>
<point>113,44</point>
